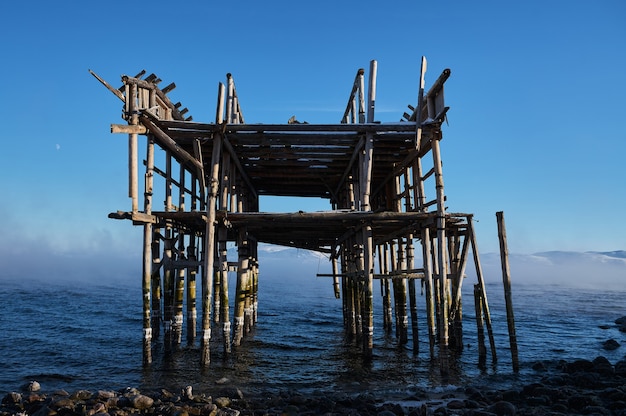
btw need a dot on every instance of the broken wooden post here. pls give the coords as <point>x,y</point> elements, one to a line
<point>506,280</point>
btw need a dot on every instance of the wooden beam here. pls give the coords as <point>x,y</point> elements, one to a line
<point>128,129</point>
<point>167,142</point>
<point>108,86</point>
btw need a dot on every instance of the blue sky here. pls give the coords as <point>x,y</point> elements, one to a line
<point>536,125</point>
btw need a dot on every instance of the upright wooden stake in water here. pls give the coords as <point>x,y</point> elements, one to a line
<point>209,253</point>
<point>481,283</point>
<point>478,304</point>
<point>147,257</point>
<point>506,280</point>
<point>242,284</point>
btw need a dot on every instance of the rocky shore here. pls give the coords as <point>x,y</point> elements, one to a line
<point>581,387</point>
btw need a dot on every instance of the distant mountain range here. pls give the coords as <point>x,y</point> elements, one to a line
<point>579,269</point>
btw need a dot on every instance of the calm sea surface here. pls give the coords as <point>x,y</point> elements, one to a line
<point>78,335</point>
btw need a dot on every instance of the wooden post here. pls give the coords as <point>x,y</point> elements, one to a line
<point>168,293</point>
<point>428,281</point>
<point>209,253</point>
<point>156,283</point>
<point>336,288</point>
<point>481,283</point>
<point>368,293</point>
<point>442,261</point>
<point>412,296</point>
<point>478,304</point>
<point>242,284</point>
<point>383,260</point>
<point>506,280</point>
<point>223,256</point>
<point>146,285</point>
<point>192,314</point>
<point>133,114</point>
<point>420,100</point>
<point>399,294</point>
<point>177,324</point>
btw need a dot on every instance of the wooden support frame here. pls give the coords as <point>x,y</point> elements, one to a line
<point>371,172</point>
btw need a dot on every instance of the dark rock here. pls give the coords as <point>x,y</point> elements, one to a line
<point>539,366</point>
<point>578,366</point>
<point>579,402</point>
<point>602,365</point>
<point>560,408</point>
<point>456,404</point>
<point>475,394</point>
<point>596,410</point>
<point>502,408</point>
<point>620,368</point>
<point>621,321</point>
<point>610,345</point>
<point>386,413</point>
<point>471,404</point>
<point>12,398</point>
<point>613,394</point>
<point>81,395</point>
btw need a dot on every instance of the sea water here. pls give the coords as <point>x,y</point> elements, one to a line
<point>88,335</point>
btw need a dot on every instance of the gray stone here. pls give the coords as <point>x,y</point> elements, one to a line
<point>141,401</point>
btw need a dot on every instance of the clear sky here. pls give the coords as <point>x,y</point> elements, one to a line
<point>536,126</point>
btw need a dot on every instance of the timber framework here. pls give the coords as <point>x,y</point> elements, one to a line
<point>384,184</point>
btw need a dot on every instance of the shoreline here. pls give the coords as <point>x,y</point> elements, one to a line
<point>560,388</point>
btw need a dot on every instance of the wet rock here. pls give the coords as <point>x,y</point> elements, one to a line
<point>456,404</point>
<point>12,398</point>
<point>620,368</point>
<point>104,395</point>
<point>33,386</point>
<point>602,365</point>
<point>81,395</point>
<point>502,408</point>
<point>226,411</point>
<point>610,345</point>
<point>222,401</point>
<point>63,403</point>
<point>141,402</point>
<point>578,366</point>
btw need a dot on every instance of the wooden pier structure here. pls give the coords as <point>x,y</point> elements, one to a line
<point>385,188</point>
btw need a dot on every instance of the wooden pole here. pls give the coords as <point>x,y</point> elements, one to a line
<point>131,102</point>
<point>209,253</point>
<point>442,263</point>
<point>480,326</point>
<point>336,288</point>
<point>242,284</point>
<point>399,294</point>
<point>428,281</point>
<point>368,293</point>
<point>192,314</point>
<point>412,296</point>
<point>481,283</point>
<point>146,285</point>
<point>168,293</point>
<point>157,292</point>
<point>506,280</point>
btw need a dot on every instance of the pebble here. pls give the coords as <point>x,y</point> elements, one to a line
<point>581,386</point>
